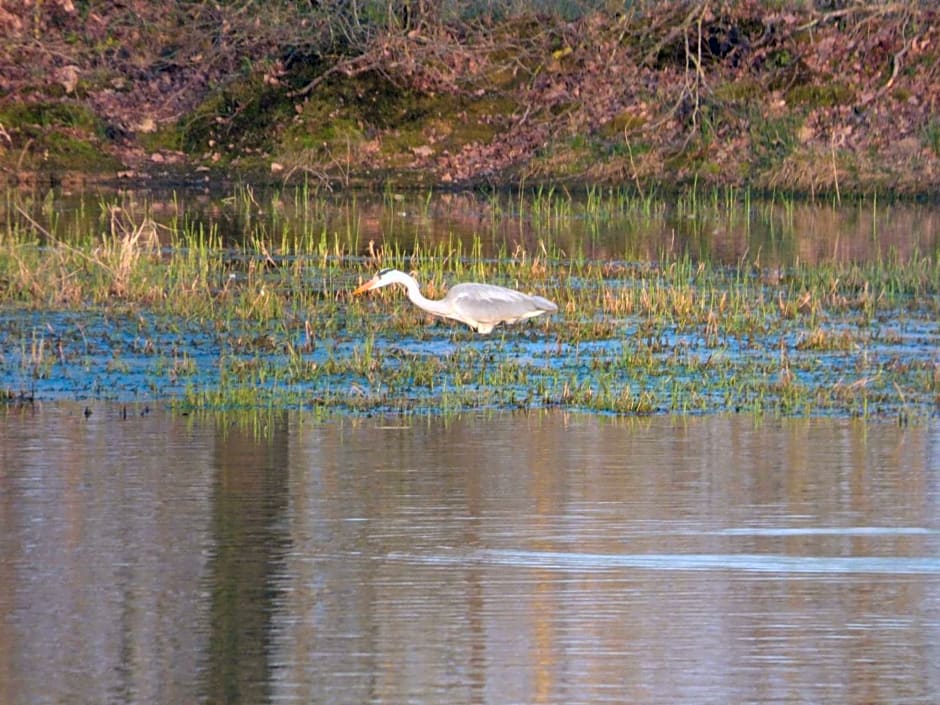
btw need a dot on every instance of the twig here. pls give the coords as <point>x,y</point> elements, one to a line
<point>636,176</point>
<point>835,170</point>
<point>682,27</point>
<point>895,69</point>
<point>871,11</point>
<point>19,162</point>
<point>690,59</point>
<point>348,66</point>
<point>74,250</point>
<point>320,175</point>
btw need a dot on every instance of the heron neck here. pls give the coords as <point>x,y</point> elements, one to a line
<point>421,301</point>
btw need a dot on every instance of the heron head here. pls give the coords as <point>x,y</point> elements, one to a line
<point>383,278</point>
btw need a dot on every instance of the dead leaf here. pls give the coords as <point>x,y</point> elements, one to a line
<point>68,77</point>
<point>145,125</point>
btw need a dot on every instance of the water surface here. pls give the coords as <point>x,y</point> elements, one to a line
<point>606,224</point>
<point>152,557</point>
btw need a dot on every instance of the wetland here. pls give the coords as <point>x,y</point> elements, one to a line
<point>702,301</point>
<point>710,476</point>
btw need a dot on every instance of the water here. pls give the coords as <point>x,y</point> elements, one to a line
<point>152,557</point>
<point>719,228</point>
<point>696,303</point>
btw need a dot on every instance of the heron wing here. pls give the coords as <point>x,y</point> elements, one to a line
<point>490,304</point>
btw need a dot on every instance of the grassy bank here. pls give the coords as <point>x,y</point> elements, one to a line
<point>811,98</point>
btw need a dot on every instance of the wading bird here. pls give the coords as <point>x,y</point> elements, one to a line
<point>480,306</point>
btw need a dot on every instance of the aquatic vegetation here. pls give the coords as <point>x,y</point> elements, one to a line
<point>127,303</point>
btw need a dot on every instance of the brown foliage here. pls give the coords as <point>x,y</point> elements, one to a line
<point>790,97</point>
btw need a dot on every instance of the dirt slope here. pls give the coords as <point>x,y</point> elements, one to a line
<point>774,95</point>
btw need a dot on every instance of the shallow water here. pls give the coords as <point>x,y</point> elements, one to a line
<point>281,329</point>
<point>97,354</point>
<point>152,557</point>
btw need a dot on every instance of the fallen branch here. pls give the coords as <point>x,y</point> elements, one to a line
<point>349,68</point>
<point>895,69</point>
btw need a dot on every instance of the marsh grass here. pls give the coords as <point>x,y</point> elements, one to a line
<point>671,332</point>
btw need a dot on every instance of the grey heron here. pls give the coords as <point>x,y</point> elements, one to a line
<point>480,306</point>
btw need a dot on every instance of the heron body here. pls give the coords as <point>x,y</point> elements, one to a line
<point>480,306</point>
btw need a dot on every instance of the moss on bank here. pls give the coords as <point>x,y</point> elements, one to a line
<point>785,98</point>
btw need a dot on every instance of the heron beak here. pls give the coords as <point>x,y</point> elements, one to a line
<point>364,288</point>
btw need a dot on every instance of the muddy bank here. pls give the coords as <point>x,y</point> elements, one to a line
<point>838,99</point>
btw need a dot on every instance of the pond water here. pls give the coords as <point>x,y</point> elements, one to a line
<point>147,556</point>
<point>607,224</point>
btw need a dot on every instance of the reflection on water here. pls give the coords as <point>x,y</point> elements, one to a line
<point>547,558</point>
<point>724,228</point>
